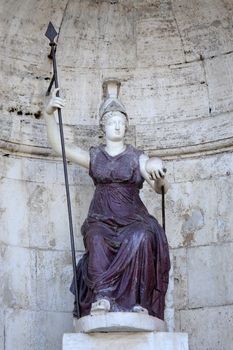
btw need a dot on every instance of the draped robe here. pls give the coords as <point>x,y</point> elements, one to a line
<point>126,256</point>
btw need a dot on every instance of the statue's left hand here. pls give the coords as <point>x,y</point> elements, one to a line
<point>159,184</point>
<point>156,171</point>
<point>154,167</point>
<point>153,171</point>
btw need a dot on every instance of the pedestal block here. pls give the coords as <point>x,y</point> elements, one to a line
<point>126,341</point>
<point>118,322</point>
<point>122,330</point>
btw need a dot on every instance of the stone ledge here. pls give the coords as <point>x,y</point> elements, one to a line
<point>119,322</point>
<point>126,341</point>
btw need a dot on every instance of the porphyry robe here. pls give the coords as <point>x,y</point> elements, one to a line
<point>126,256</point>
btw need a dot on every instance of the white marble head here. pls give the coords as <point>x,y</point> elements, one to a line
<point>114,124</point>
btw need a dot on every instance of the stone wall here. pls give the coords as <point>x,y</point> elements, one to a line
<point>175,60</point>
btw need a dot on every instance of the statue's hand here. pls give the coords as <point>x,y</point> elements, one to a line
<point>154,167</point>
<point>54,103</point>
<point>156,171</point>
<point>159,184</point>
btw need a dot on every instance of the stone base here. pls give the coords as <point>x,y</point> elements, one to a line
<point>119,322</point>
<point>126,341</point>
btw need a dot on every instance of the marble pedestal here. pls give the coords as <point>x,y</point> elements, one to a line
<point>127,331</point>
<point>118,322</point>
<point>126,341</point>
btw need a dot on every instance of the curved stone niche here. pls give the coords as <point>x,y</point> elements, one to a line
<point>174,60</point>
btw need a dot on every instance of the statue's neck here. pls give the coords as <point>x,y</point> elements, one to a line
<point>115,147</point>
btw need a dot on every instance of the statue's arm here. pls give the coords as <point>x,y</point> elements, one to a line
<point>73,153</point>
<point>152,171</point>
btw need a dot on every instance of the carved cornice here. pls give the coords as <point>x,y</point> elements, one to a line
<point>20,150</point>
<point>181,139</point>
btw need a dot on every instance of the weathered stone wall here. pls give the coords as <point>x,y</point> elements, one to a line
<point>175,60</point>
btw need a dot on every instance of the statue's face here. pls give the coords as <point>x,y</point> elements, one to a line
<point>115,126</point>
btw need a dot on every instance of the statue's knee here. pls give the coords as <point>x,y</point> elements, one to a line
<point>146,237</point>
<point>94,238</point>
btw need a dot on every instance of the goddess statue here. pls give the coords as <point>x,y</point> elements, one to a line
<point>126,263</point>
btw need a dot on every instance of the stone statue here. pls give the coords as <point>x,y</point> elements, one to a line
<point>126,262</point>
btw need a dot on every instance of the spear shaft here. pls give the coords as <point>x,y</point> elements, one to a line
<point>55,81</point>
<point>163,208</point>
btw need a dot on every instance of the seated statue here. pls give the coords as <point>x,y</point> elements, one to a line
<point>126,262</point>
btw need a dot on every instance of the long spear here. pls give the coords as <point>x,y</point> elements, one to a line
<point>163,209</point>
<point>51,35</point>
<point>163,203</point>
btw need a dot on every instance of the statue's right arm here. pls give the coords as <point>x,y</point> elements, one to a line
<point>73,153</point>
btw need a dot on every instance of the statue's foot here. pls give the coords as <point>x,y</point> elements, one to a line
<point>140,309</point>
<point>100,306</point>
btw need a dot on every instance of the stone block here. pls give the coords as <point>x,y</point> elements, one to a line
<point>2,335</point>
<point>169,300</point>
<point>204,27</point>
<point>158,42</point>
<point>28,330</point>
<point>224,189</point>
<point>210,274</point>
<point>219,75</point>
<point>169,294</point>
<point>26,65</point>
<point>207,167</point>
<point>28,169</point>
<point>81,196</point>
<point>159,95</point>
<point>21,219</point>
<point>117,31</point>
<point>180,291</point>
<point>102,34</point>
<point>153,9</point>
<point>190,219</point>
<point>14,213</point>
<point>18,276</point>
<point>27,46</point>
<point>186,136</point>
<point>52,231</point>
<point>169,317</point>
<point>54,277</point>
<point>82,90</point>
<point>129,341</point>
<point>209,328</point>
<point>177,320</point>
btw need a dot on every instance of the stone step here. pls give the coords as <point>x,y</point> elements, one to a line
<point>126,341</point>
<point>118,322</point>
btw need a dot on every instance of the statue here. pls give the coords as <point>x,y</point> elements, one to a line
<point>126,262</point>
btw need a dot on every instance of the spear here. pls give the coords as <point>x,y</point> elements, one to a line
<point>51,35</point>
<point>163,208</point>
<point>163,203</point>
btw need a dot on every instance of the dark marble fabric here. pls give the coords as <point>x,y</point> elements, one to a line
<point>126,258</point>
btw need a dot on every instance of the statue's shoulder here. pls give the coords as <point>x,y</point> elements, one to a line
<point>95,153</point>
<point>95,149</point>
<point>137,152</point>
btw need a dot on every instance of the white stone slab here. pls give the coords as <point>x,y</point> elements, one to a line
<point>118,322</point>
<point>126,341</point>
<point>35,330</point>
<point>212,264</point>
<point>203,27</point>
<point>214,330</point>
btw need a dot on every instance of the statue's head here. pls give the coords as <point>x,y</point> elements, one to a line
<point>112,107</point>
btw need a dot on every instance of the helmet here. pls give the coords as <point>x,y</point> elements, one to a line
<point>111,102</point>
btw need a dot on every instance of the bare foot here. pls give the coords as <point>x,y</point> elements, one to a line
<point>100,306</point>
<point>140,309</point>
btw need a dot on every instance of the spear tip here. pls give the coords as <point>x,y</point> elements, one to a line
<point>51,32</point>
